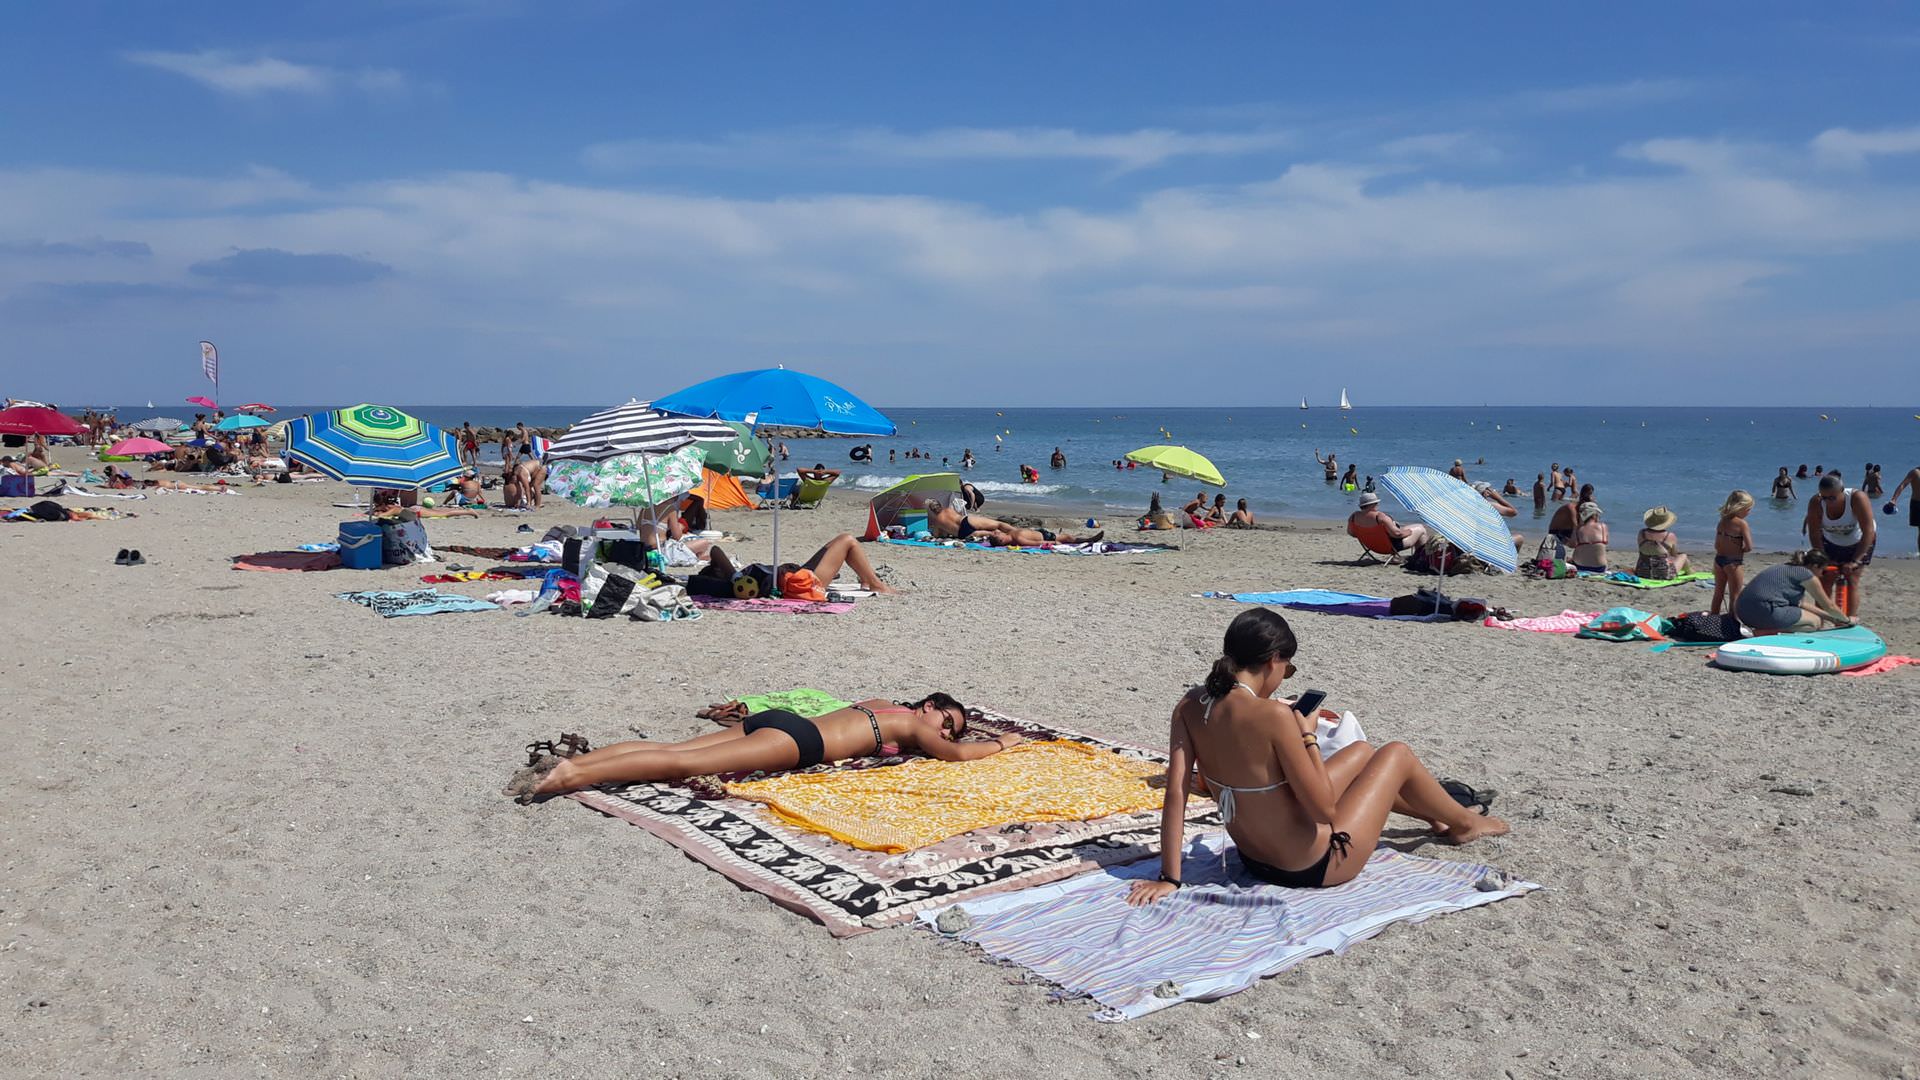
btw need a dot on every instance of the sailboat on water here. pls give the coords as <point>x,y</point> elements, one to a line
<point>1303,403</point>
<point>1344,403</point>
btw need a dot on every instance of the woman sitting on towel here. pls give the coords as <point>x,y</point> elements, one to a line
<point>1298,821</point>
<point>770,741</point>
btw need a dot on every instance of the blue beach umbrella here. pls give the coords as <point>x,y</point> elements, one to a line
<point>374,446</point>
<point>778,397</point>
<point>240,422</point>
<point>781,398</point>
<point>1455,511</point>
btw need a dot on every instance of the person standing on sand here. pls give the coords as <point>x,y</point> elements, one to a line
<point>1783,484</point>
<point>1732,541</point>
<point>1331,463</point>
<point>469,445</point>
<point>1911,480</point>
<point>1299,820</point>
<point>1840,523</point>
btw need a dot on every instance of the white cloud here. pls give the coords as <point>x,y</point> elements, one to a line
<point>1851,149</point>
<point>1127,150</point>
<point>1717,255</point>
<point>257,76</point>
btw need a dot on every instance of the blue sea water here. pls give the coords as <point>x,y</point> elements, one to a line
<point>1685,458</point>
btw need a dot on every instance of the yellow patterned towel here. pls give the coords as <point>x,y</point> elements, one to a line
<point>923,802</point>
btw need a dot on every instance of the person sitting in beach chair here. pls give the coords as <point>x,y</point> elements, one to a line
<point>1299,821</point>
<point>949,523</point>
<point>770,741</point>
<point>812,488</point>
<point>1379,534</point>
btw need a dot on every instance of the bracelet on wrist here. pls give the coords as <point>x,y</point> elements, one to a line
<point>1175,882</point>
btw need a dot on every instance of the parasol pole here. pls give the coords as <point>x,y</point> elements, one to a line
<point>753,426</point>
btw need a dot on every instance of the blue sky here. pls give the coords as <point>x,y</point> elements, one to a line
<point>479,201</point>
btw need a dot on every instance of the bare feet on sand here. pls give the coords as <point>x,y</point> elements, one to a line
<point>1480,829</point>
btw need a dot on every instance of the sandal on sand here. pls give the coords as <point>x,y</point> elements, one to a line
<point>572,745</point>
<point>1466,795</point>
<point>544,748</point>
<point>731,712</point>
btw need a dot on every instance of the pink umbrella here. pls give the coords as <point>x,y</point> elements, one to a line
<point>32,420</point>
<point>135,447</point>
<point>203,402</point>
<point>255,406</point>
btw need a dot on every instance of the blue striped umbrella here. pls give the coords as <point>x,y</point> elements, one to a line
<point>1455,511</point>
<point>374,446</point>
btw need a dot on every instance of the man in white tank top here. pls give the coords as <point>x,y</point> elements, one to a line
<point>1840,522</point>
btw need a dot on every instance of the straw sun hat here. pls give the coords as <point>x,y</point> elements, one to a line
<point>1660,518</point>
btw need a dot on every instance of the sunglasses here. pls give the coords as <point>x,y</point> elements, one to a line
<point>955,725</point>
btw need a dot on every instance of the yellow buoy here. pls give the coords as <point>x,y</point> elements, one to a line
<point>1354,430</point>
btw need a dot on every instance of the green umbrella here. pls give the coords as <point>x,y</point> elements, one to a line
<point>744,455</point>
<point>1179,461</point>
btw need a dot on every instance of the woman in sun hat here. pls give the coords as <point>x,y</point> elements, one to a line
<point>1660,557</point>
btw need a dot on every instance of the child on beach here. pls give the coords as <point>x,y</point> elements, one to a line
<point>1731,542</point>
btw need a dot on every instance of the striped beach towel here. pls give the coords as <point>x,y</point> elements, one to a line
<point>1216,936</point>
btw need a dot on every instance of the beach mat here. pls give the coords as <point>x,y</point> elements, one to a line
<point>851,891</point>
<point>391,604</point>
<point>1103,547</point>
<point>922,802</point>
<point>1629,581</point>
<point>773,605</point>
<point>288,561</point>
<point>1219,934</point>
<point>1326,602</point>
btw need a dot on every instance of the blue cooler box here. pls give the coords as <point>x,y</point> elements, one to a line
<point>360,545</point>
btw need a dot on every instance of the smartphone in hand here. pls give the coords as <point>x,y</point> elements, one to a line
<point>1309,703</point>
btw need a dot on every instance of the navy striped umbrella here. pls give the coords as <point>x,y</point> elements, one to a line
<point>1455,511</point>
<point>634,428</point>
<point>375,446</point>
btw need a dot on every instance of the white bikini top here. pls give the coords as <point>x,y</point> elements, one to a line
<point>1223,794</point>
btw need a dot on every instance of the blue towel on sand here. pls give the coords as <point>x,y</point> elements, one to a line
<point>417,602</point>
<point>1328,602</point>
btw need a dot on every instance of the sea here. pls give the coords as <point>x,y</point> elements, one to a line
<point>1686,458</point>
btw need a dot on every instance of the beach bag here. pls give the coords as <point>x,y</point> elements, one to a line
<point>610,589</point>
<point>404,542</point>
<point>663,603</point>
<point>1702,626</point>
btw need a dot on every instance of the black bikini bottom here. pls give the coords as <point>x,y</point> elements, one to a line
<point>1313,877</point>
<point>804,733</point>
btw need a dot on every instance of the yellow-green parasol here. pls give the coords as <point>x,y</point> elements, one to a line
<point>1179,461</point>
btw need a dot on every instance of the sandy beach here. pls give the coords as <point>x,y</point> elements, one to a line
<point>256,830</point>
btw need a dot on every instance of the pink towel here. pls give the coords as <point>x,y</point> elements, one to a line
<point>1883,665</point>
<point>1567,622</point>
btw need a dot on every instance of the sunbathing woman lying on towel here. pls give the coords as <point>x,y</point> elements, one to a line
<point>1299,822</point>
<point>770,741</point>
<point>950,523</point>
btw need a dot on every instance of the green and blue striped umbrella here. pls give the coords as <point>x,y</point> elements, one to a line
<point>374,446</point>
<point>1455,511</point>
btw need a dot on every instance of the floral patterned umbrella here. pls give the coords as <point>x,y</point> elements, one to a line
<point>628,479</point>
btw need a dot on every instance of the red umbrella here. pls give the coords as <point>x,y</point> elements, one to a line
<point>255,406</point>
<point>137,446</point>
<point>203,402</point>
<point>31,420</point>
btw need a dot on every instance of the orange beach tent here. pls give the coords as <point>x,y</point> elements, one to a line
<point>722,492</point>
